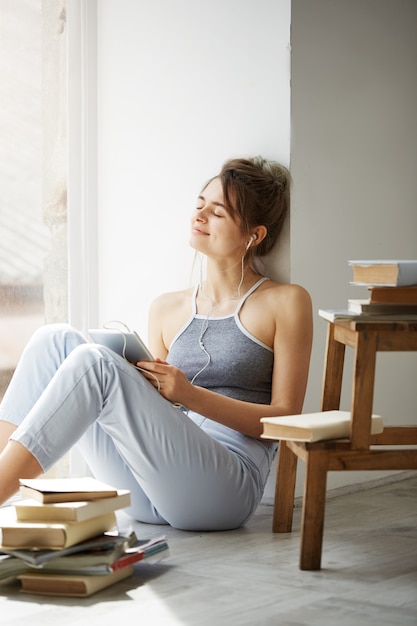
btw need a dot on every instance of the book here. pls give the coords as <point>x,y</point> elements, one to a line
<point>394,273</point>
<point>15,534</point>
<point>30,510</point>
<point>70,584</point>
<point>312,427</point>
<point>340,315</point>
<point>101,563</point>
<point>10,567</point>
<point>91,562</point>
<point>393,295</point>
<point>111,544</point>
<point>47,490</point>
<point>357,305</point>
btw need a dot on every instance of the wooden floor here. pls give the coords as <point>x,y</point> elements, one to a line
<point>251,577</point>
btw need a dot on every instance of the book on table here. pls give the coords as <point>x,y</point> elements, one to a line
<point>311,427</point>
<point>34,511</point>
<point>49,490</point>
<point>359,305</point>
<point>395,273</point>
<point>341,315</point>
<point>393,295</point>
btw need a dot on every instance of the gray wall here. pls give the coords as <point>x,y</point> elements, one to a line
<point>353,162</point>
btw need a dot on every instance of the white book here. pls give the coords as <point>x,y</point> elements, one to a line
<point>312,427</point>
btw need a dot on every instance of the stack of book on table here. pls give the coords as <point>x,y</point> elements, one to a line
<point>61,538</point>
<point>392,292</point>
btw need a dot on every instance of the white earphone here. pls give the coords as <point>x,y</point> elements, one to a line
<point>251,240</point>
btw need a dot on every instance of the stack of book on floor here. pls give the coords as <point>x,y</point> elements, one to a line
<point>392,292</point>
<point>62,539</point>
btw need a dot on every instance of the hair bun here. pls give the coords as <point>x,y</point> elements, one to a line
<point>273,170</point>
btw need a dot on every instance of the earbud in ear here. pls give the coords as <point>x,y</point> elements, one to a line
<point>251,240</point>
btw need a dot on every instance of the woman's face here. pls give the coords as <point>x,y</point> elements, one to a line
<point>213,230</point>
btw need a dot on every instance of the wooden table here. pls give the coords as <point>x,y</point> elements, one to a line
<point>355,453</point>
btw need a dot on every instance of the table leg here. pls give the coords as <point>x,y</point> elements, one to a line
<point>313,511</point>
<point>363,390</point>
<point>333,372</point>
<point>284,489</point>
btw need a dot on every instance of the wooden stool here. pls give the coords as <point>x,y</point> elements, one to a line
<point>366,338</point>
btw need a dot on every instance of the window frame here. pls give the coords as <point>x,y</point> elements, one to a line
<point>82,175</point>
<point>82,163</point>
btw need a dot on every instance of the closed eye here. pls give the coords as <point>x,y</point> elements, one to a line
<point>214,211</point>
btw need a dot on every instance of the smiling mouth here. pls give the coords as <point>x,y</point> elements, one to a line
<point>198,231</point>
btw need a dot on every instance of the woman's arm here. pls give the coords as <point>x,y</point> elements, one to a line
<point>290,309</point>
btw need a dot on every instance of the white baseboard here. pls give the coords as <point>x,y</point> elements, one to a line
<point>352,488</point>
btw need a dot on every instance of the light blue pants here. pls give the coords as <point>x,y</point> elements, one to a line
<point>66,390</point>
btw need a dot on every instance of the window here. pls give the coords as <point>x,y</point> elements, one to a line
<point>33,181</point>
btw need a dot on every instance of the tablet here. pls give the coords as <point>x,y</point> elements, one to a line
<point>128,344</point>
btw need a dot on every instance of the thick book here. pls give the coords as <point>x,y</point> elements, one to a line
<point>15,534</point>
<point>357,305</point>
<point>47,490</point>
<point>393,295</point>
<point>344,315</point>
<point>33,511</point>
<point>311,427</point>
<point>70,584</point>
<point>394,273</point>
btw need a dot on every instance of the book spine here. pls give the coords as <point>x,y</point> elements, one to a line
<point>126,560</point>
<point>393,295</point>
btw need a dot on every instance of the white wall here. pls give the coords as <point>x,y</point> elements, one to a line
<point>182,87</point>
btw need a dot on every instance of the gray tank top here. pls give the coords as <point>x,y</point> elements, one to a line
<point>239,366</point>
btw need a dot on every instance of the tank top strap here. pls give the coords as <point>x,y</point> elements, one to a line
<point>248,293</point>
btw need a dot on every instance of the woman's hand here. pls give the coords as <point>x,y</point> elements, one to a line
<point>171,382</point>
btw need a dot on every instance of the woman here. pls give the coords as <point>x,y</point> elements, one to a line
<point>183,434</point>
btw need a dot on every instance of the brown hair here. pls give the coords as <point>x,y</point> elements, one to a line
<point>256,192</point>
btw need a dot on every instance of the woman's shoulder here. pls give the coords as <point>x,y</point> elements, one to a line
<point>290,293</point>
<point>287,301</point>
<point>274,309</point>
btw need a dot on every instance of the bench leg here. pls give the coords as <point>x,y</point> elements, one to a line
<point>313,511</point>
<point>284,489</point>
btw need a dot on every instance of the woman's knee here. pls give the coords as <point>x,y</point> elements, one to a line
<point>52,332</point>
<point>54,341</point>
